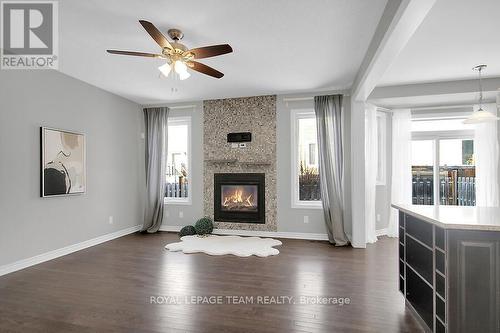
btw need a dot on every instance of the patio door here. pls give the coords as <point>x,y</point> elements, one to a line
<point>443,169</point>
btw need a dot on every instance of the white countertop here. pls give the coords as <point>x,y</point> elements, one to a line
<point>455,217</point>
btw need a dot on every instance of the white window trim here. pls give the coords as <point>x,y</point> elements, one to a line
<point>181,120</point>
<point>295,115</point>
<point>382,153</point>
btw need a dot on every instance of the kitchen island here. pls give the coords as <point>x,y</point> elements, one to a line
<point>449,266</point>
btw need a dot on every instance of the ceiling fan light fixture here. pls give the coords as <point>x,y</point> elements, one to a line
<point>184,75</point>
<point>180,67</point>
<point>165,69</point>
<point>177,55</point>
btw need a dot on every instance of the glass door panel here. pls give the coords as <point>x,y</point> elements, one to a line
<point>457,172</point>
<point>422,172</point>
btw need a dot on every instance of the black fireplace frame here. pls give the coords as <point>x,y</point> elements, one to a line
<point>258,179</point>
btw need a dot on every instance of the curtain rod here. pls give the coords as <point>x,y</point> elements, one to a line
<point>180,107</point>
<point>175,107</point>
<point>297,99</point>
<point>344,93</point>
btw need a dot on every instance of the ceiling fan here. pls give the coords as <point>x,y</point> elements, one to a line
<point>177,55</point>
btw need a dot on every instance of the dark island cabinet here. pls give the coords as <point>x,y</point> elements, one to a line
<point>450,278</point>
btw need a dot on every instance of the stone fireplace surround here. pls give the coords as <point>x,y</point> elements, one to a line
<point>249,114</point>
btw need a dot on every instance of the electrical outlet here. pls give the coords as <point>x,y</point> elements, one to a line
<point>243,145</point>
<point>181,214</point>
<point>143,136</point>
<point>378,217</point>
<point>306,219</point>
<point>110,219</point>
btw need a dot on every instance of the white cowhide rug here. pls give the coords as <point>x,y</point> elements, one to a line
<point>220,245</point>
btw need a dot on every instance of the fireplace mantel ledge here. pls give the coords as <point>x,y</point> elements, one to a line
<point>234,161</point>
<point>215,161</point>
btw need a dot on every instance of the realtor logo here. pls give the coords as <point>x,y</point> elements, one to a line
<point>29,34</point>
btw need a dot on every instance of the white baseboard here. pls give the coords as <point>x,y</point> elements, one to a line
<point>171,228</point>
<point>18,265</point>
<point>277,234</point>
<point>381,232</point>
<point>357,245</point>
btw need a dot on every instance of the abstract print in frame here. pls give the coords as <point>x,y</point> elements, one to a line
<point>63,162</point>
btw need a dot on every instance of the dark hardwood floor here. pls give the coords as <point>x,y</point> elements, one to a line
<point>107,288</point>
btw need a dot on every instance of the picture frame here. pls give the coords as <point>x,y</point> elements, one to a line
<point>63,170</point>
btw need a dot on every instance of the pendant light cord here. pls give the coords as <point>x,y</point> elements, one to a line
<point>480,89</point>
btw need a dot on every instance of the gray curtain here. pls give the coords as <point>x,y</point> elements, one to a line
<point>328,111</point>
<point>156,142</point>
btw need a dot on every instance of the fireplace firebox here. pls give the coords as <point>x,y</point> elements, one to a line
<point>239,197</point>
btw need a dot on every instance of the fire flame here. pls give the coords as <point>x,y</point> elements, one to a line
<point>237,198</point>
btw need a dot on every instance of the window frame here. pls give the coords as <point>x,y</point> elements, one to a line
<point>382,148</point>
<point>295,116</point>
<point>436,137</point>
<point>181,120</point>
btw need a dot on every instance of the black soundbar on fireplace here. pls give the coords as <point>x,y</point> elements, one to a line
<point>239,137</point>
<point>239,197</point>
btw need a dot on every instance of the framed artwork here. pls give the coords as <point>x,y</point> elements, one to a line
<point>63,169</point>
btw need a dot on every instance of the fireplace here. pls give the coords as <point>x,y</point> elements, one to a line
<point>239,197</point>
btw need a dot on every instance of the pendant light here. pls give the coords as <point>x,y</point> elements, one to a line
<point>480,116</point>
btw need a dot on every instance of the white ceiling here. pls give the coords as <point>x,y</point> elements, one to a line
<point>280,46</point>
<point>455,36</point>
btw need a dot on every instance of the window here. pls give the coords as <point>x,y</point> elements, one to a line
<point>305,176</point>
<point>381,147</point>
<point>178,161</point>
<point>443,163</point>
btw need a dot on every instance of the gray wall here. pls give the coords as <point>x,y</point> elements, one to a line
<point>32,225</point>
<point>291,219</point>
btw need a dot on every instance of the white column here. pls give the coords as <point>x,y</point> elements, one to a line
<point>358,173</point>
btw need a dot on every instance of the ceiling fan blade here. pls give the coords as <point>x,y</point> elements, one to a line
<point>156,34</point>
<point>133,53</point>
<point>210,51</point>
<point>202,68</point>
